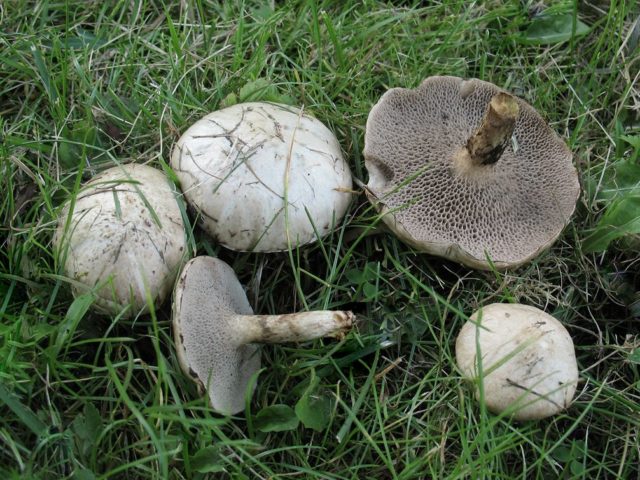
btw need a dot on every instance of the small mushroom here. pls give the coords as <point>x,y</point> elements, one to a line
<point>263,176</point>
<point>124,237</point>
<point>215,331</point>
<point>528,366</point>
<point>461,169</point>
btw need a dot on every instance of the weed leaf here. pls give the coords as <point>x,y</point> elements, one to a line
<point>621,218</point>
<point>313,409</point>
<point>276,418</point>
<point>550,29</point>
<point>207,460</point>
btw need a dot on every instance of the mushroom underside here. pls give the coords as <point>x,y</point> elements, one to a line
<point>420,177</point>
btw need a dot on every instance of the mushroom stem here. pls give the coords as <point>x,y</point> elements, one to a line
<point>490,140</point>
<point>294,327</point>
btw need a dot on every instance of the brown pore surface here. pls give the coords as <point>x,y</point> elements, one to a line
<point>419,170</point>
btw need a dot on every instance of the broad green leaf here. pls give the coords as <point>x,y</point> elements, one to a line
<point>88,425</point>
<point>263,12</point>
<point>370,291</point>
<point>359,277</point>
<point>621,218</point>
<point>230,99</point>
<point>549,29</point>
<point>276,418</point>
<point>370,271</point>
<point>83,474</point>
<point>207,460</point>
<point>622,178</point>
<point>85,39</point>
<point>562,454</point>
<point>414,326</point>
<point>633,140</point>
<point>85,133</point>
<point>634,357</point>
<point>256,91</point>
<point>259,89</point>
<point>77,143</point>
<point>314,409</point>
<point>355,276</point>
<point>577,468</point>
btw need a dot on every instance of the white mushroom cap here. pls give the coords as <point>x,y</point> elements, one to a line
<point>529,364</point>
<point>125,237</point>
<point>437,200</point>
<point>214,330</point>
<point>239,164</point>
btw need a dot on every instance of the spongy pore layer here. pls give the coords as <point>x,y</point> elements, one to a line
<point>508,211</point>
<point>207,297</point>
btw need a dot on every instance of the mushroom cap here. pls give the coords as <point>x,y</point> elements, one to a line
<point>126,235</point>
<point>207,297</point>
<point>528,360</point>
<point>509,211</point>
<point>239,164</point>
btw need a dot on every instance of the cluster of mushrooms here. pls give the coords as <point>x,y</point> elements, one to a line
<point>457,168</point>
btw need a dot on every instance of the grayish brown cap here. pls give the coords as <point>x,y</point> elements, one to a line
<point>214,330</point>
<point>529,366</point>
<point>436,199</point>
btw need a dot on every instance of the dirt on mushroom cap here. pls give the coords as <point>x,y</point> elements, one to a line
<point>126,235</point>
<point>262,176</point>
<point>528,360</point>
<point>509,210</point>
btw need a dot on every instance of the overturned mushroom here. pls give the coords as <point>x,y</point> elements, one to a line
<point>125,237</point>
<point>461,169</point>
<point>215,331</point>
<point>263,176</point>
<point>524,358</point>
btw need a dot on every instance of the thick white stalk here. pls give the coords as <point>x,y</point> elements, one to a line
<point>293,327</point>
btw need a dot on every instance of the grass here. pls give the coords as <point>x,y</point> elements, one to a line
<point>87,84</point>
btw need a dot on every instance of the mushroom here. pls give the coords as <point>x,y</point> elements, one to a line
<point>528,365</point>
<point>263,176</point>
<point>215,331</point>
<point>125,236</point>
<point>462,169</point>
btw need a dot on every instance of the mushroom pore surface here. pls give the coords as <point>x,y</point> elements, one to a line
<point>207,298</point>
<point>214,329</point>
<point>435,199</point>
<point>125,236</point>
<point>263,176</point>
<point>528,360</point>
